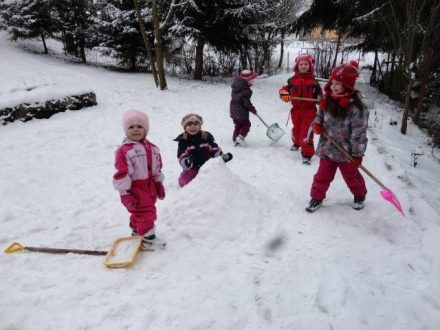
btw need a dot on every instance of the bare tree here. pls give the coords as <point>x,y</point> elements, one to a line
<point>146,42</point>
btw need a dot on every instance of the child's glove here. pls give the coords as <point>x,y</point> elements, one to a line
<point>129,202</point>
<point>318,129</point>
<point>357,161</point>
<point>186,163</point>
<point>284,95</point>
<point>227,157</point>
<point>253,110</point>
<point>160,189</point>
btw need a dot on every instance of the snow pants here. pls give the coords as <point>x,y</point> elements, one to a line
<point>326,173</point>
<point>187,176</point>
<point>242,127</point>
<point>301,120</point>
<point>143,215</point>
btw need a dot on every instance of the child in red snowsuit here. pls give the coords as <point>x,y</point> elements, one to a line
<point>139,177</point>
<point>302,84</point>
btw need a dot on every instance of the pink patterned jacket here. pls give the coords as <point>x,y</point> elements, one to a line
<point>138,167</point>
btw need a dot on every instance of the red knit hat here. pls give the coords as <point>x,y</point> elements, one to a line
<point>191,117</point>
<point>248,75</point>
<point>135,117</point>
<point>346,74</point>
<point>304,57</point>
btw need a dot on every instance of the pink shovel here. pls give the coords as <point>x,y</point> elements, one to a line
<point>386,193</point>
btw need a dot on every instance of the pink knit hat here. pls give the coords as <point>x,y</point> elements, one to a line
<point>248,75</point>
<point>191,117</point>
<point>135,117</point>
<point>304,57</point>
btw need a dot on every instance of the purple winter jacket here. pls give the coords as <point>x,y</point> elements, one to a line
<point>241,104</point>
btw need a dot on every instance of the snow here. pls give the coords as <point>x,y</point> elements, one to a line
<point>241,253</point>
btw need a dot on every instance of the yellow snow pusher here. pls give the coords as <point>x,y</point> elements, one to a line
<point>121,254</point>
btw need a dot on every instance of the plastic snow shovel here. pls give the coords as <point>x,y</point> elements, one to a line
<point>386,193</point>
<point>119,255</point>
<point>274,131</point>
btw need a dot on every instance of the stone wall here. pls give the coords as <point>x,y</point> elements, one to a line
<point>39,110</point>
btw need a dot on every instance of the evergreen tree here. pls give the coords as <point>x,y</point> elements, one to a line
<point>74,21</point>
<point>29,19</point>
<point>119,34</point>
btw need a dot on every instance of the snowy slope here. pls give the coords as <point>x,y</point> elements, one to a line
<point>242,252</point>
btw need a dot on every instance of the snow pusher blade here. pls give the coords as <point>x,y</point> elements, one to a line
<point>123,252</point>
<point>274,131</point>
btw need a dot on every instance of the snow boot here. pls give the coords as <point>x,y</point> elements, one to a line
<point>150,242</point>
<point>358,202</point>
<point>314,204</point>
<point>241,141</point>
<point>294,147</point>
<point>307,160</point>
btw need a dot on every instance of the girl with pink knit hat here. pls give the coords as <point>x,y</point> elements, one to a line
<point>196,147</point>
<point>139,178</point>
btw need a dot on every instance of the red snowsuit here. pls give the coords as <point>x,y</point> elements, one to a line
<point>302,112</point>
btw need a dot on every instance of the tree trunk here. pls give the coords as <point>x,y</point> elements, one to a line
<point>373,74</point>
<point>146,43</point>
<point>423,82</point>
<point>82,54</point>
<point>404,124</point>
<point>44,44</point>
<point>280,63</point>
<point>338,44</point>
<point>158,45</point>
<point>198,68</point>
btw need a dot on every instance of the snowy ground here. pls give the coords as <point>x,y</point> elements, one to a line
<point>242,252</point>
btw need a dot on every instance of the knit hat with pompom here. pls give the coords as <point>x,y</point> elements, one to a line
<point>346,74</point>
<point>304,57</point>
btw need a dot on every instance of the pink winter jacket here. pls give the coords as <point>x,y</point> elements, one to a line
<point>138,167</point>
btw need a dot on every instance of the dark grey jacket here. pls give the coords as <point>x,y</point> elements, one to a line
<point>241,100</point>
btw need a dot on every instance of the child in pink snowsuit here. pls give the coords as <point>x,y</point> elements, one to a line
<point>138,176</point>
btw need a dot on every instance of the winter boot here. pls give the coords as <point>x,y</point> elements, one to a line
<point>358,202</point>
<point>150,242</point>
<point>307,160</point>
<point>314,204</point>
<point>294,147</point>
<point>241,141</point>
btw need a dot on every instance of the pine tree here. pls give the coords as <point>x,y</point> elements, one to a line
<point>74,21</point>
<point>119,34</point>
<point>29,19</point>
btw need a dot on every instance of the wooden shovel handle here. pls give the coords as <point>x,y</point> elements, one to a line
<point>305,99</point>
<point>346,154</point>
<point>258,116</point>
<point>56,250</point>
